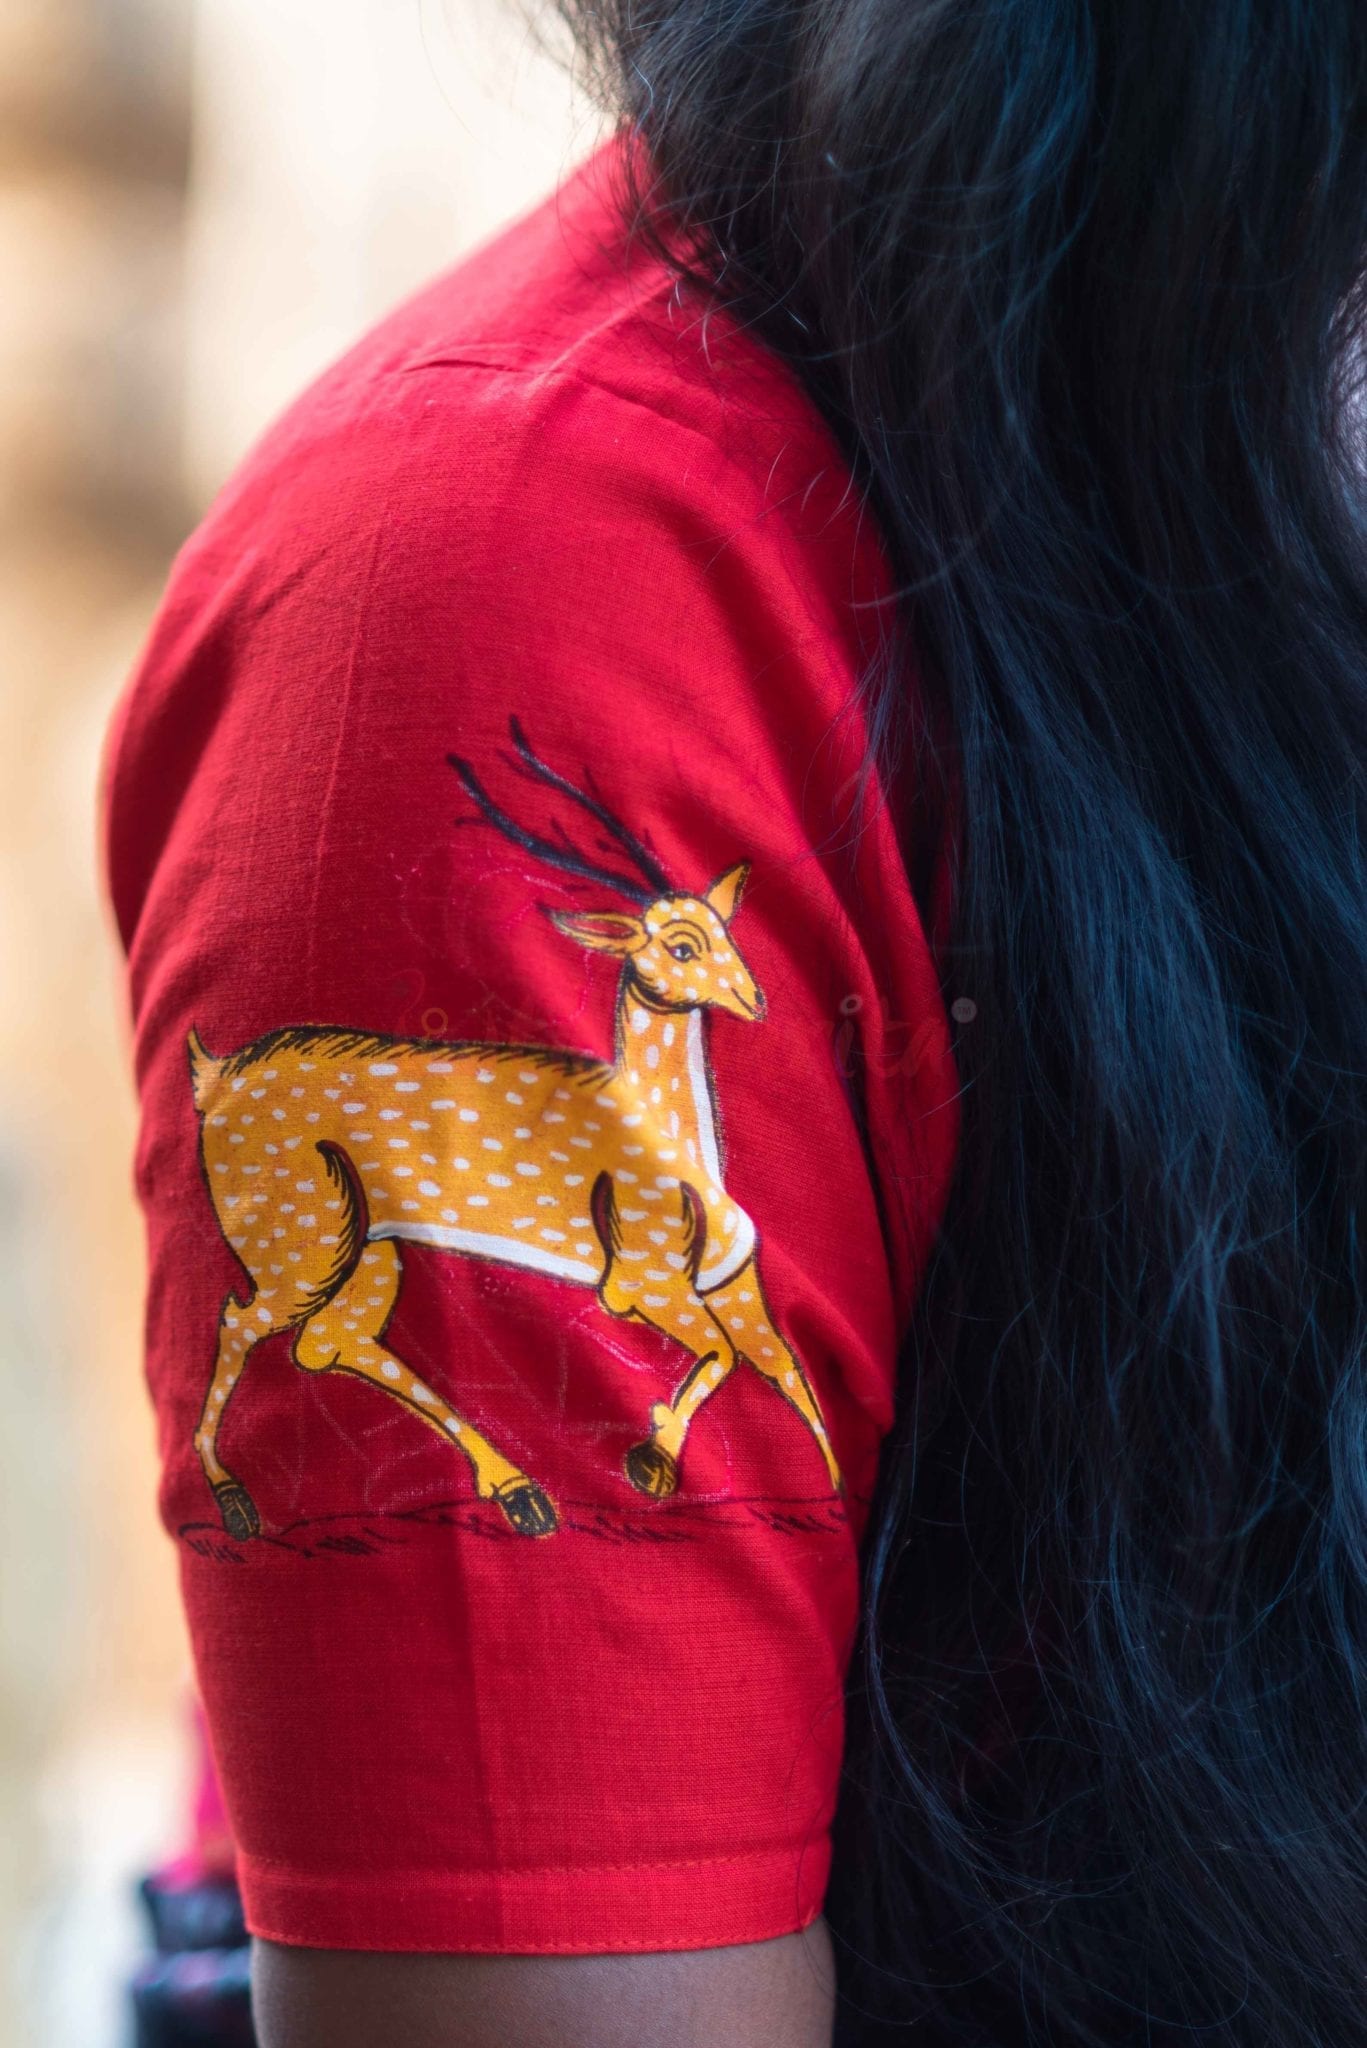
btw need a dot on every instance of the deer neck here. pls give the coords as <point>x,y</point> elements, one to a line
<point>662,1063</point>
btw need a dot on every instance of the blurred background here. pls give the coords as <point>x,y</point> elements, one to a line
<point>201,202</point>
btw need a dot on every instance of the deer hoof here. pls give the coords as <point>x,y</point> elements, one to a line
<point>527,1508</point>
<point>238,1510</point>
<point>651,1469</point>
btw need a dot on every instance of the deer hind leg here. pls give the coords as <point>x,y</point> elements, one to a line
<point>655,1284</point>
<point>739,1308</point>
<point>344,1335</point>
<point>241,1326</point>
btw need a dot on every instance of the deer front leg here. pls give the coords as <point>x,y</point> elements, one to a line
<point>668,1301</point>
<point>344,1336</point>
<point>739,1309</point>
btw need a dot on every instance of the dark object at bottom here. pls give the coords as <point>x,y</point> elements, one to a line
<point>194,1991</point>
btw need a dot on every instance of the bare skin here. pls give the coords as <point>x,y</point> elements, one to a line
<point>768,1994</point>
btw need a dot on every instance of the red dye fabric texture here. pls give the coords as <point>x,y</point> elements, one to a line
<point>547,1109</point>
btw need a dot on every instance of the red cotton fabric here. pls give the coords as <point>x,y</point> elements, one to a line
<point>547,1111</point>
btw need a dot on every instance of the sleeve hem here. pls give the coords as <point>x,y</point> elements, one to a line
<point>641,1908</point>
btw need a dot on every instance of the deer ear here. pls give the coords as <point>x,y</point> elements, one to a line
<point>602,931</point>
<point>724,894</point>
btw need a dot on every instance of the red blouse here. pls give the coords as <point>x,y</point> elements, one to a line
<point>547,1109</point>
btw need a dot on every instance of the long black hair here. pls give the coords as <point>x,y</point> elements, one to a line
<point>1079,285</point>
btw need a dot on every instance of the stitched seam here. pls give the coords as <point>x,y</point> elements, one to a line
<point>502,1873</point>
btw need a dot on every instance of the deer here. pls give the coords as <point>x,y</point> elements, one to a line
<point>325,1150</point>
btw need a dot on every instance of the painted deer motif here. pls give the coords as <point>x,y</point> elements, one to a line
<point>325,1150</point>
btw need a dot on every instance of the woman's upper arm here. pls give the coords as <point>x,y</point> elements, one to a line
<point>772,1994</point>
<point>517,1015</point>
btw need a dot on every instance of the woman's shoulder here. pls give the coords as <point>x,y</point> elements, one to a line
<point>558,370</point>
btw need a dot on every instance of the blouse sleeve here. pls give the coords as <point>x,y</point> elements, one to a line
<point>545,1113</point>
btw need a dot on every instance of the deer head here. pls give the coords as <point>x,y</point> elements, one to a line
<point>676,949</point>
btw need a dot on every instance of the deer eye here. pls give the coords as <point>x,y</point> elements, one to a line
<point>682,950</point>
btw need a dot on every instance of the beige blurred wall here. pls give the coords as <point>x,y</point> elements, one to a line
<point>199,206</point>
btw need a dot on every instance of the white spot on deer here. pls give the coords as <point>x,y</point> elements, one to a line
<point>562,1095</point>
<point>584,1250</point>
<point>247,1119</point>
<point>676,1260</point>
<point>257,1094</point>
<point>516,1100</point>
<point>428,1187</point>
<point>405,1087</point>
<point>305,1187</point>
<point>423,1394</point>
<point>746,1295</point>
<point>484,1074</point>
<point>527,1166</point>
<point>441,1066</point>
<point>622,1174</point>
<point>239,1082</point>
<point>311,1116</point>
<point>445,1103</point>
<point>546,1202</point>
<point>221,1166</point>
<point>449,1216</point>
<point>572,1180</point>
<point>652,1055</point>
<point>263,1315</point>
<point>691,1149</point>
<point>389,1369</point>
<point>553,1236</point>
<point>390,1116</point>
<point>308,1222</point>
<point>492,1144</point>
<point>461,1165</point>
<point>469,1116</point>
<point>669,1031</point>
<point>290,1144</point>
<point>583,1144</point>
<point>382,1067</point>
<point>655,1300</point>
<point>716,1374</point>
<point>410,1205</point>
<point>453,1425</point>
<point>632,1121</point>
<point>640,1020</point>
<point>523,1222</point>
<point>687,1319</point>
<point>497,1180</point>
<point>414,1125</point>
<point>402,1172</point>
<point>348,1108</point>
<point>398,1144</point>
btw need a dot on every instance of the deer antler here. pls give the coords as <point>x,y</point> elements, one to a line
<point>594,805</point>
<point>565,857</point>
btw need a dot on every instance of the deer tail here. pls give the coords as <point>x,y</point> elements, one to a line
<point>204,1070</point>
